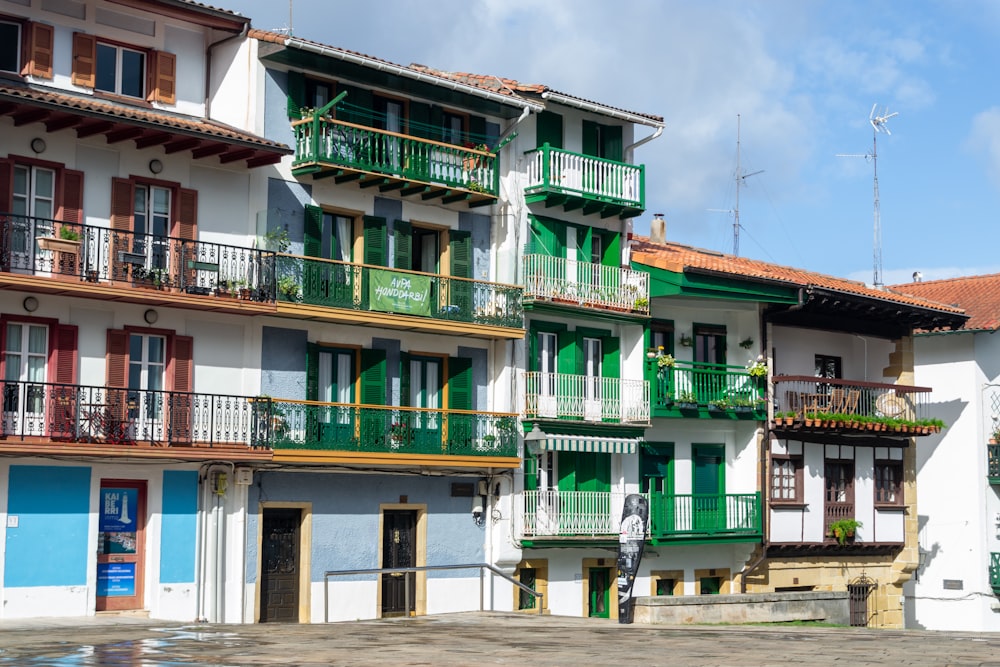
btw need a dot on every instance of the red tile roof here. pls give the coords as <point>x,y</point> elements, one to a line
<point>979,296</point>
<point>678,258</point>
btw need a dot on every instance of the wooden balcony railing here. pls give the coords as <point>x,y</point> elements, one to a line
<point>36,246</point>
<point>995,572</point>
<point>554,513</point>
<point>993,463</point>
<point>587,398</point>
<point>326,141</point>
<point>43,411</point>
<point>593,178</point>
<point>696,389</point>
<point>389,429</point>
<point>335,284</point>
<point>852,405</point>
<point>577,283</point>
<point>718,515</point>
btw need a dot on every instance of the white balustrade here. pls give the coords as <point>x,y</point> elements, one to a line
<point>594,399</point>
<point>586,283</point>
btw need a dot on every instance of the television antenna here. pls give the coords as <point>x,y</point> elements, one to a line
<point>740,177</point>
<point>878,123</point>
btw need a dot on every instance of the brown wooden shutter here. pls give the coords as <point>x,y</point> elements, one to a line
<point>6,192</point>
<point>181,404</point>
<point>84,59</point>
<point>71,202</point>
<point>122,202</point>
<point>39,52</point>
<point>164,77</point>
<point>62,373</point>
<point>187,214</point>
<point>117,359</point>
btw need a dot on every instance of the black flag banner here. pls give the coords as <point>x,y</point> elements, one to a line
<point>631,540</point>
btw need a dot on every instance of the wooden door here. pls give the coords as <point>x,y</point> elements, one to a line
<point>399,532</point>
<point>121,544</point>
<point>279,571</point>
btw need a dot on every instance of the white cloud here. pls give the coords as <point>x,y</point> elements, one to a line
<point>984,139</point>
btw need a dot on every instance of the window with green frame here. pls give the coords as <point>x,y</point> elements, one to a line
<point>602,140</point>
<point>571,349</point>
<point>555,238</point>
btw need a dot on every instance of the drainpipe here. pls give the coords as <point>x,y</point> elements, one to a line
<point>208,65</point>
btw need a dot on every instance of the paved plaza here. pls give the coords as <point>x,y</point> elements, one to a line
<point>474,639</point>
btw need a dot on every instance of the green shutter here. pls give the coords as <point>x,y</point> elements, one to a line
<point>477,129</point>
<point>593,472</point>
<point>357,106</point>
<point>611,364</point>
<point>373,377</point>
<point>296,94</point>
<point>566,362</point>
<point>591,136</point>
<point>313,232</point>
<point>708,461</point>
<point>420,120</point>
<point>461,253</point>
<point>435,123</point>
<point>374,231</point>
<point>312,372</point>
<point>460,386</point>
<point>583,244</point>
<point>534,363</point>
<point>402,235</point>
<point>549,129</point>
<point>612,249</point>
<point>612,139</point>
<point>567,471</point>
<point>404,378</point>
<point>530,472</point>
<point>547,237</point>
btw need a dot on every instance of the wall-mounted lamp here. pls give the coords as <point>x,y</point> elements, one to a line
<point>478,501</point>
<point>151,316</point>
<point>533,440</point>
<point>651,353</point>
<point>30,304</point>
<point>155,166</point>
<point>38,145</point>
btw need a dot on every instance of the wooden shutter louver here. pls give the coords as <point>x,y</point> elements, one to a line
<point>39,58</point>
<point>64,402</point>
<point>116,377</point>
<point>84,60</point>
<point>180,403</point>
<point>71,202</point>
<point>122,201</point>
<point>164,77</point>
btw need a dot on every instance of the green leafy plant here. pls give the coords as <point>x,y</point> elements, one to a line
<point>68,234</point>
<point>746,343</point>
<point>277,240</point>
<point>641,303</point>
<point>687,397</point>
<point>757,368</point>
<point>720,404</point>
<point>842,529</point>
<point>289,288</point>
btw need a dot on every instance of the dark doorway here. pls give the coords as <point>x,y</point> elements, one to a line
<point>600,592</point>
<point>399,532</point>
<point>279,569</point>
<point>860,591</point>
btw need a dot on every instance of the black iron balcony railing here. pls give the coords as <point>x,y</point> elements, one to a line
<point>89,414</point>
<point>690,389</point>
<point>39,246</point>
<point>802,401</point>
<point>322,140</point>
<point>376,288</point>
<point>388,429</point>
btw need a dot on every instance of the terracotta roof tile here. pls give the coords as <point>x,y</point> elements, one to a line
<point>979,296</point>
<point>677,257</point>
<point>64,101</point>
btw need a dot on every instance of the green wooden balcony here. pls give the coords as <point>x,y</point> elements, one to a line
<point>701,390</point>
<point>591,184</point>
<point>715,516</point>
<point>394,162</point>
<point>362,287</point>
<point>995,572</point>
<point>586,285</point>
<point>553,513</point>
<point>993,463</point>
<point>586,398</point>
<point>341,427</point>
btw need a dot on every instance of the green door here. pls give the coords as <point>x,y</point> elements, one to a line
<point>422,375</point>
<point>657,479</point>
<point>599,604</point>
<point>708,503</point>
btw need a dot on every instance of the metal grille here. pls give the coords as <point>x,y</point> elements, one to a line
<point>861,603</point>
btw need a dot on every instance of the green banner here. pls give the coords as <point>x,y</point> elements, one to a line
<point>392,292</point>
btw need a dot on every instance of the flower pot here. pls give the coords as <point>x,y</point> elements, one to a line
<point>58,245</point>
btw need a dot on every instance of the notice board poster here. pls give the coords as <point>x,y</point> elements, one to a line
<point>115,579</point>
<point>117,522</point>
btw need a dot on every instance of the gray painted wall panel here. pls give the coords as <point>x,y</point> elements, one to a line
<point>276,124</point>
<point>283,362</point>
<point>478,356</point>
<point>286,201</point>
<point>479,225</point>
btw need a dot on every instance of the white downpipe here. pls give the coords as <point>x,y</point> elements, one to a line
<point>220,569</point>
<point>201,546</point>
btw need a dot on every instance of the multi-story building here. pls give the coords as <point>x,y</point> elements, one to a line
<point>831,450</point>
<point>126,406</point>
<point>958,470</point>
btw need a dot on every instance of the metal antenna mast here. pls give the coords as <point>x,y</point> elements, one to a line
<point>878,123</point>
<point>740,177</point>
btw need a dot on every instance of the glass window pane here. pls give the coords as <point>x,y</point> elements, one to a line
<point>12,367</point>
<point>135,375</point>
<point>135,348</point>
<point>133,73</point>
<point>45,183</point>
<point>13,337</point>
<point>156,347</point>
<point>37,340</point>
<point>10,46</point>
<point>105,68</point>
<point>36,369</point>
<point>154,378</point>
<point>20,181</point>
<point>325,378</point>
<point>161,201</point>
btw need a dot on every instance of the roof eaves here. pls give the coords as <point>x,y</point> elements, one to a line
<point>595,107</point>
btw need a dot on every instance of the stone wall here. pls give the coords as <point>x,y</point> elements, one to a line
<point>825,606</point>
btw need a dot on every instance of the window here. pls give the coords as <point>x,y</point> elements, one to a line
<point>151,224</point>
<point>888,483</point>
<point>828,367</point>
<point>10,46</point>
<point>786,479</point>
<point>146,369</point>
<point>25,353</point>
<point>452,128</point>
<point>150,213</point>
<point>120,69</point>
<point>709,344</point>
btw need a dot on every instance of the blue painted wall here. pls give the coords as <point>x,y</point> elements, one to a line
<point>178,526</point>
<point>286,202</point>
<point>345,518</point>
<point>49,545</point>
<point>277,127</point>
<point>283,363</point>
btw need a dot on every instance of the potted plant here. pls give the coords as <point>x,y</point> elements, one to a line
<point>757,369</point>
<point>844,529</point>
<point>686,341</point>
<point>718,405</point>
<point>746,343</point>
<point>288,288</point>
<point>664,362</point>
<point>68,241</point>
<point>641,303</point>
<point>687,400</point>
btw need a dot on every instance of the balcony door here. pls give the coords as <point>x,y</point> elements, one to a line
<point>146,373</point>
<point>25,357</point>
<point>425,384</point>
<point>547,380</point>
<point>593,358</point>
<point>33,206</point>
<point>709,484</point>
<point>151,226</point>
<point>327,236</point>
<point>839,497</point>
<point>389,117</point>
<point>336,377</point>
<point>709,379</point>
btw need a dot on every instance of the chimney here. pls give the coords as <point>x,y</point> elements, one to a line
<point>658,229</point>
<point>917,276</point>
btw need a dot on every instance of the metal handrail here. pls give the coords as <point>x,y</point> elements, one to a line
<point>482,567</point>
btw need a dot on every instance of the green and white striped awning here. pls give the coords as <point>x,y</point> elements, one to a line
<point>589,443</point>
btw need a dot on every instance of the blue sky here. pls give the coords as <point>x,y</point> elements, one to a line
<point>802,75</point>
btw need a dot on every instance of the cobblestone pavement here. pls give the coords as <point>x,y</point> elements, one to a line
<point>474,639</point>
